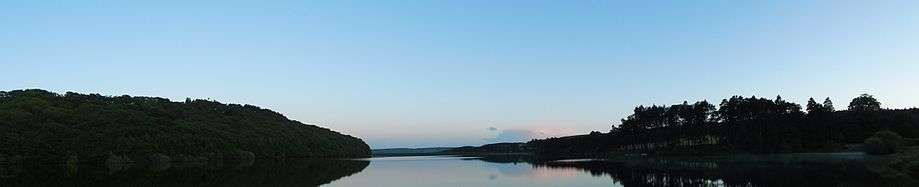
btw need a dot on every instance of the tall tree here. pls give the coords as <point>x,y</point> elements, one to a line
<point>865,103</point>
<point>828,105</point>
<point>813,106</point>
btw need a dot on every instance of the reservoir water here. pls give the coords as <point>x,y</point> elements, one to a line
<point>797,170</point>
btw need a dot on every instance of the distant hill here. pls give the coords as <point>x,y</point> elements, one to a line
<point>41,126</point>
<point>495,148</point>
<point>487,149</point>
<point>411,151</point>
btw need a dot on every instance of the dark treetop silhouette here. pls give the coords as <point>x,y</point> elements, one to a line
<point>40,126</point>
<point>751,125</point>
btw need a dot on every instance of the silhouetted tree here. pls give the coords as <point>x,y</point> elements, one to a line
<point>828,105</point>
<point>740,124</point>
<point>865,103</point>
<point>813,106</point>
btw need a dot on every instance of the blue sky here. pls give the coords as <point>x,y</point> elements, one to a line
<point>448,73</point>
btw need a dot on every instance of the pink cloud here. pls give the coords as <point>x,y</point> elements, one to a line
<point>523,135</point>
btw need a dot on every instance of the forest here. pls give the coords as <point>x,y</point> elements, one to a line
<point>747,125</point>
<point>45,127</point>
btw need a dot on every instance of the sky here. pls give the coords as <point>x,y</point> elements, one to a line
<point>453,73</point>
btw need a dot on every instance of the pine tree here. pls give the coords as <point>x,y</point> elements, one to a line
<point>813,106</point>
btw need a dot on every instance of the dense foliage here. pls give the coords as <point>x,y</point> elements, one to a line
<point>37,125</point>
<point>884,142</point>
<point>739,124</point>
<point>901,165</point>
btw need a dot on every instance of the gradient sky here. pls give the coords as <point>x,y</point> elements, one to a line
<point>448,73</point>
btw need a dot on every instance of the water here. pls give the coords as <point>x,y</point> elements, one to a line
<point>795,170</point>
<point>778,170</point>
<point>462,171</point>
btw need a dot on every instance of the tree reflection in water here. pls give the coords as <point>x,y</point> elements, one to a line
<point>689,172</point>
<point>290,172</point>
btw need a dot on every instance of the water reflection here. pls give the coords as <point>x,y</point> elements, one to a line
<point>295,172</point>
<point>721,172</point>
<point>463,171</point>
<point>459,171</point>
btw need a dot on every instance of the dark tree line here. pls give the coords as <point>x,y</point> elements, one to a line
<point>739,124</point>
<point>496,148</point>
<point>37,125</point>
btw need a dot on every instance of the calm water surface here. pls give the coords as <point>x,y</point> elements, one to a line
<point>797,170</point>
<point>465,171</point>
<point>794,170</point>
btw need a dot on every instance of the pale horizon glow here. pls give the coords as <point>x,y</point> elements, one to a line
<point>433,73</point>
